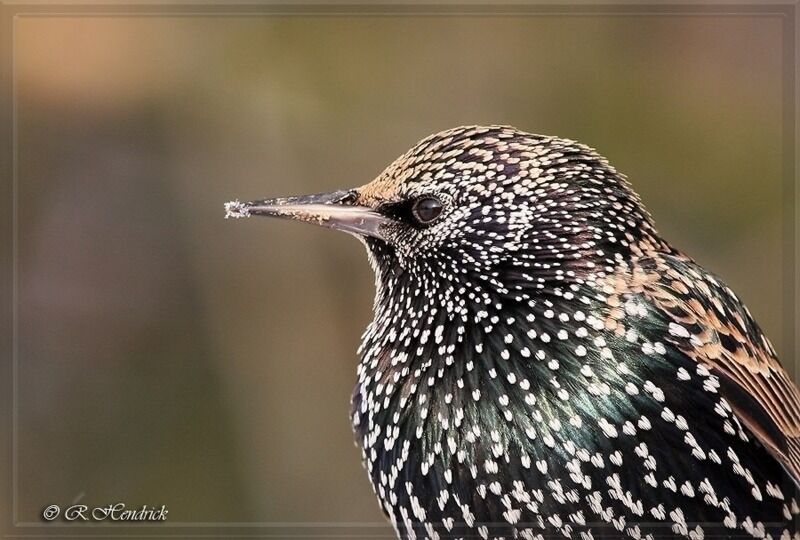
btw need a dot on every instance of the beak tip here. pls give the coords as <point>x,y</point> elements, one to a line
<point>236,209</point>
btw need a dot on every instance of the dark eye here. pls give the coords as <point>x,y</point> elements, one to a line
<point>426,209</point>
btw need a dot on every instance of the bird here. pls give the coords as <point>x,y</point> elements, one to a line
<point>543,364</point>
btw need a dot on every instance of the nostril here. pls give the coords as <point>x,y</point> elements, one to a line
<point>349,197</point>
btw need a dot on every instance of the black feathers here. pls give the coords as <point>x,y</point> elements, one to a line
<point>541,363</point>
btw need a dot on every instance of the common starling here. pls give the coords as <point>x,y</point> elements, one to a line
<point>541,363</point>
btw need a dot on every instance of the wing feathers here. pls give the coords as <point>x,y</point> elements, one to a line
<point>721,334</point>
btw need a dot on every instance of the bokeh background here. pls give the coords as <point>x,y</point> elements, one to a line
<point>168,356</point>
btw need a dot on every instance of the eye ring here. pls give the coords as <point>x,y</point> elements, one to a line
<point>426,209</point>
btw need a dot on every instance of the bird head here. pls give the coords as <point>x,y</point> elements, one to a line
<point>493,205</point>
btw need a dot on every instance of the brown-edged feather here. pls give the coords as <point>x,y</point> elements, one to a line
<point>713,327</point>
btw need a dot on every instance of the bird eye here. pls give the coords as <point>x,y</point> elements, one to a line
<point>426,209</point>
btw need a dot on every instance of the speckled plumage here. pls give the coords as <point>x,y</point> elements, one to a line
<point>542,364</point>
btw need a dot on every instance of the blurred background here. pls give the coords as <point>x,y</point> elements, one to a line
<point>168,356</point>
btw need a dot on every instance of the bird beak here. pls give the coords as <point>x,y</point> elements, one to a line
<point>335,210</point>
